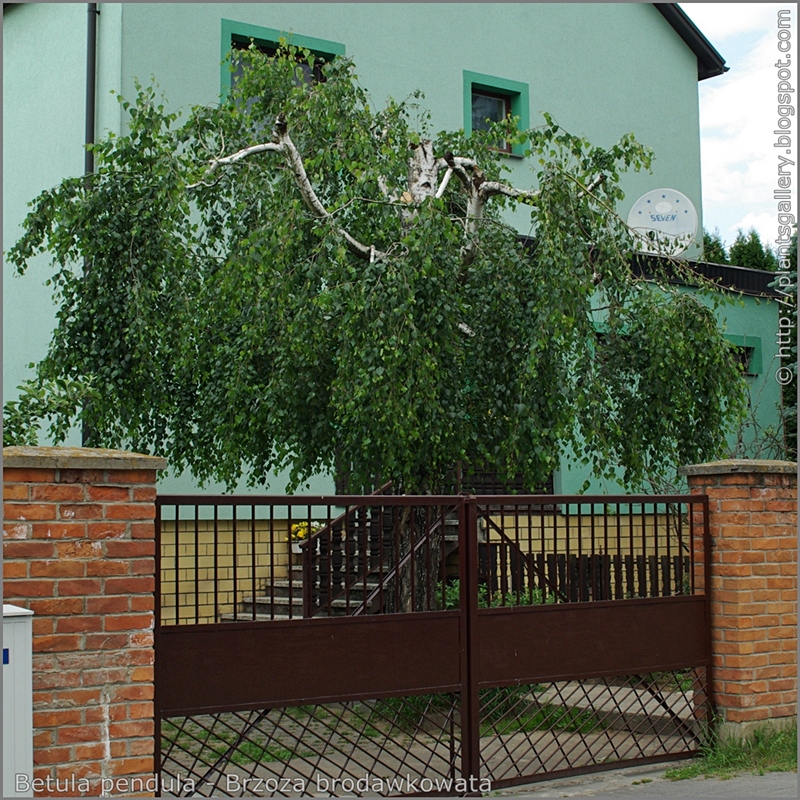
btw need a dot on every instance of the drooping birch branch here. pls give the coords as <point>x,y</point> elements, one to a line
<point>286,146</point>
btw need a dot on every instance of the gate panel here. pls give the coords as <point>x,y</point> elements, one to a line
<point>583,640</point>
<point>518,639</point>
<point>263,664</point>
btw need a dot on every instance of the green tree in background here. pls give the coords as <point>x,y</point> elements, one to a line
<point>714,248</point>
<point>748,251</point>
<point>294,279</point>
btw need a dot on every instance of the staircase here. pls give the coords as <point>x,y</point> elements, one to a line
<point>336,567</point>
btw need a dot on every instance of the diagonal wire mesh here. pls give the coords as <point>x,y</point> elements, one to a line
<point>536,730</point>
<point>355,747</point>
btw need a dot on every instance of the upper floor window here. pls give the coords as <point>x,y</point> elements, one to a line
<point>239,35</point>
<point>747,353</point>
<point>490,108</point>
<point>488,99</point>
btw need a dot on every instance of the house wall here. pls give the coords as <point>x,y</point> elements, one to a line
<point>745,319</point>
<point>602,70</point>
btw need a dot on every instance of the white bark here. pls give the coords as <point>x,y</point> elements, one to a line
<point>423,177</point>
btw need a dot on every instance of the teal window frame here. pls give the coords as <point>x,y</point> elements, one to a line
<point>515,91</point>
<point>243,32</point>
<point>755,366</point>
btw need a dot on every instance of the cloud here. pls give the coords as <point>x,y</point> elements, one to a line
<point>720,21</point>
<point>737,118</point>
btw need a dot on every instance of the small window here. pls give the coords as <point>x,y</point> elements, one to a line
<point>311,74</point>
<point>488,109</point>
<point>744,358</point>
<point>488,99</point>
<point>747,353</point>
<point>238,35</point>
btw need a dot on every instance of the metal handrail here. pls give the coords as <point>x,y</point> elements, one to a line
<point>395,570</point>
<point>308,551</point>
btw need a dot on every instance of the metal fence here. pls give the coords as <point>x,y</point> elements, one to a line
<point>236,559</point>
<point>426,644</point>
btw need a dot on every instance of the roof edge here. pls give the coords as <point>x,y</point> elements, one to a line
<point>709,62</point>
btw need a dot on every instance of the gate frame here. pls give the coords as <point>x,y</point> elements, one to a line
<point>468,614</point>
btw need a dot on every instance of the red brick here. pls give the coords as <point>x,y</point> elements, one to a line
<point>106,567</point>
<point>141,691</point>
<point>142,674</point>
<point>57,606</point>
<point>125,476</point>
<point>42,626</point>
<point>142,530</point>
<point>782,505</point>
<point>742,479</point>
<point>78,697</point>
<point>143,602</point>
<point>90,751</point>
<point>16,491</point>
<point>107,530</point>
<point>140,710</point>
<point>83,511</point>
<point>29,588</point>
<point>126,730</point>
<point>106,641</point>
<point>135,511</point>
<point>144,566</point>
<point>15,569</point>
<point>130,549</point>
<point>85,586</point>
<point>141,747</point>
<point>58,569</point>
<point>130,657</point>
<point>28,475</point>
<point>80,476</point>
<point>56,643</point>
<point>29,511</point>
<point>109,493</point>
<point>79,624</point>
<point>55,680</point>
<point>142,639</point>
<point>129,622</point>
<point>17,549</point>
<point>107,605</point>
<point>78,733</point>
<point>52,755</point>
<point>59,530</point>
<point>84,549</point>
<point>50,491</point>
<point>102,677</point>
<point>145,494</point>
<point>131,766</point>
<point>53,719</point>
<point>43,739</point>
<point>130,585</point>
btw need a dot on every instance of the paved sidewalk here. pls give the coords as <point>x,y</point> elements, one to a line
<point>649,781</point>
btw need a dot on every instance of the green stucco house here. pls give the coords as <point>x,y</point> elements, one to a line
<point>601,69</point>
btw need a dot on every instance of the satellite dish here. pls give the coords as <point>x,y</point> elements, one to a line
<point>664,222</point>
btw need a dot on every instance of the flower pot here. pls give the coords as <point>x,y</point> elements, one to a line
<point>297,548</point>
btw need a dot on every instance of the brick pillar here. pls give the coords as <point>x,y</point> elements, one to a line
<point>753,525</point>
<point>78,545</point>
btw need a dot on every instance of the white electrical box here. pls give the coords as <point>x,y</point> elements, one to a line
<point>17,701</point>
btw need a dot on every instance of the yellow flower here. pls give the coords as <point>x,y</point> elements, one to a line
<point>301,531</point>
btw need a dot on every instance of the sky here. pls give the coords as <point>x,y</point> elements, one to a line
<point>738,115</point>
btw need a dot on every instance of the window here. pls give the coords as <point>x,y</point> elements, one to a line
<point>237,35</point>
<point>487,109</point>
<point>494,99</point>
<point>747,352</point>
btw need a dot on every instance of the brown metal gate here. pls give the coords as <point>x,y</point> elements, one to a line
<point>425,645</point>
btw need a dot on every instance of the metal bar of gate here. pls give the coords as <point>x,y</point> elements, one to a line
<point>470,706</point>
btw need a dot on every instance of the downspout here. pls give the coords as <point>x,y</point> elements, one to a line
<point>91,76</point>
<point>88,159</point>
